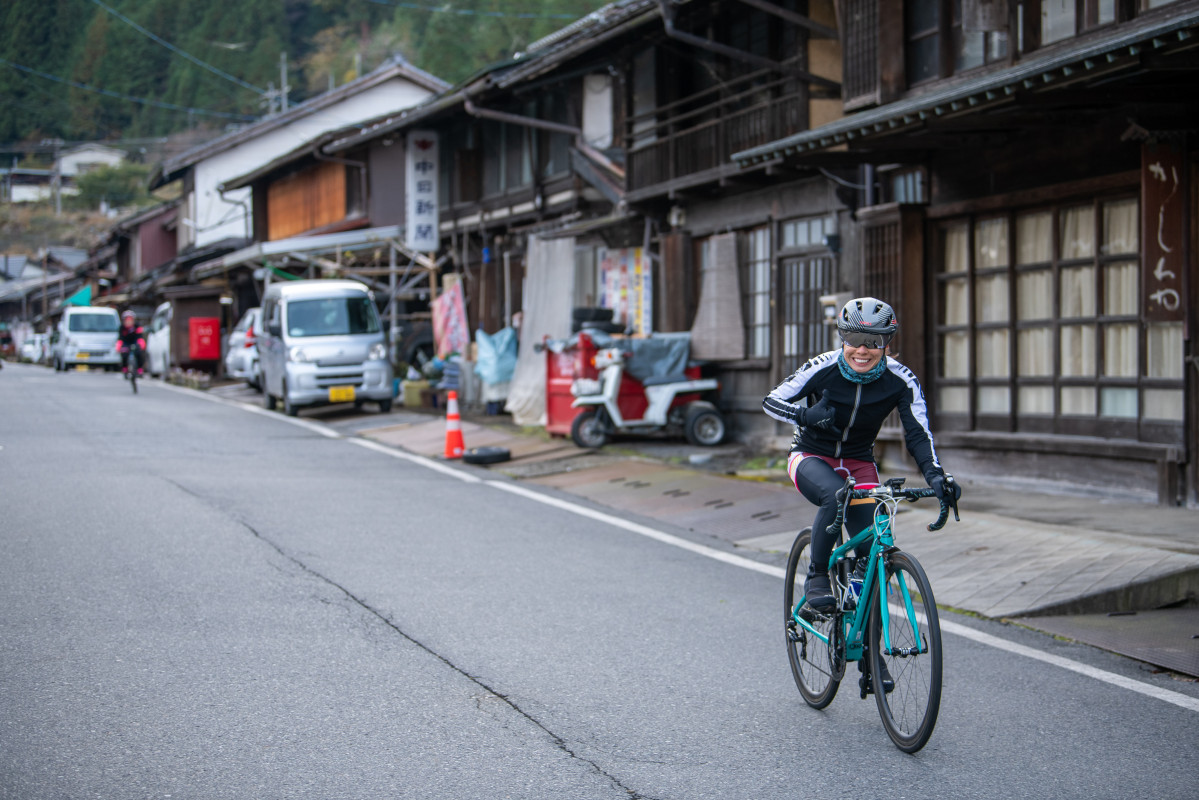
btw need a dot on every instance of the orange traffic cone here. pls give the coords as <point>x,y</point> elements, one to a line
<point>453,428</point>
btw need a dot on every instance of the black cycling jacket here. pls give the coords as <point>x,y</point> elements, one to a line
<point>860,409</point>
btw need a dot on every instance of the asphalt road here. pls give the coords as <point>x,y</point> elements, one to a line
<point>197,601</point>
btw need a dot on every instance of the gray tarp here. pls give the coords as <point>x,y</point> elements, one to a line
<point>655,356</point>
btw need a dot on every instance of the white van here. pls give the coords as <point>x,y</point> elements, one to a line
<point>158,341</point>
<point>87,335</point>
<point>322,342</point>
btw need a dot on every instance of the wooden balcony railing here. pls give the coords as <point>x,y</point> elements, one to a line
<point>709,139</point>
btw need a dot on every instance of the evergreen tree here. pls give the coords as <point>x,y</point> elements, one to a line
<point>77,40</point>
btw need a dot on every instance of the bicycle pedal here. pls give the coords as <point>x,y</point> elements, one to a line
<point>865,685</point>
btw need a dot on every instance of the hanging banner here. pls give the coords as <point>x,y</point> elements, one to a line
<point>450,334</point>
<point>626,285</point>
<point>421,220</point>
<point>1162,168</point>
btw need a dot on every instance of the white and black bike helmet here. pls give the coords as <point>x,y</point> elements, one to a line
<point>867,321</point>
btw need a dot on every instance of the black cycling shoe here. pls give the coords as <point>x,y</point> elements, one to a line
<point>819,592</point>
<point>866,685</point>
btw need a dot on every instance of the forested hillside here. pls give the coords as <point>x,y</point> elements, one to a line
<point>112,69</point>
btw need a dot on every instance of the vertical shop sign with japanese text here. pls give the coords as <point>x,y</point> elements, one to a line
<point>1162,168</point>
<point>626,286</point>
<point>421,219</point>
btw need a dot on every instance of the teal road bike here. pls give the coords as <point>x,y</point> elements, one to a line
<point>889,626</point>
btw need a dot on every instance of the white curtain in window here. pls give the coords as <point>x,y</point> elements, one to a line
<point>956,302</point>
<point>1078,232</point>
<point>992,353</point>
<point>1078,292</point>
<point>1078,400</point>
<point>1034,238</point>
<point>955,355</point>
<point>1035,400</point>
<point>1034,295</point>
<point>1163,404</point>
<point>1077,351</point>
<point>1120,351</point>
<point>957,248</point>
<point>1121,231</point>
<point>1121,297</point>
<point>1057,20</point>
<point>991,299</point>
<point>1034,351</point>
<point>990,243</point>
<point>759,278</point>
<point>953,400</point>
<point>994,400</point>
<point>1117,402</point>
<point>1163,351</point>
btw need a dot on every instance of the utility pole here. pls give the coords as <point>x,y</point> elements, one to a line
<point>282,82</point>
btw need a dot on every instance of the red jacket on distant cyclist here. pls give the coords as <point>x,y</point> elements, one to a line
<point>132,338</point>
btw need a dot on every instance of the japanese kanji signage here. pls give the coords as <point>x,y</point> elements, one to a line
<point>626,286</point>
<point>421,220</point>
<point>1162,168</point>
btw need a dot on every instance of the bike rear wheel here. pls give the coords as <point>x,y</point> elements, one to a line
<point>909,711</point>
<point>813,662</point>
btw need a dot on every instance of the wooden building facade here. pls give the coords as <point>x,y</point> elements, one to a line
<point>1028,187</point>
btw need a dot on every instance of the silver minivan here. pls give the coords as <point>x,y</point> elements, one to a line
<point>86,335</point>
<point>322,342</point>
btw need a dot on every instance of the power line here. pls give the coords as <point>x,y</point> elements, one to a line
<point>175,49</point>
<point>468,12</point>
<point>129,97</point>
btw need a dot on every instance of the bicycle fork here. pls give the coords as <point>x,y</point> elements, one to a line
<point>910,611</point>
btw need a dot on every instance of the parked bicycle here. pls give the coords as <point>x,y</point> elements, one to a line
<point>885,618</point>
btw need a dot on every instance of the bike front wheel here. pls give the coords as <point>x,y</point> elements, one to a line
<point>911,657</point>
<point>813,661</point>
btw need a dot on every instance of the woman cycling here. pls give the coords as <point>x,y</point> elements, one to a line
<point>131,341</point>
<point>854,390</point>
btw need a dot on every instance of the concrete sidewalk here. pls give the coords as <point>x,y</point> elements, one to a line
<point>1086,568</point>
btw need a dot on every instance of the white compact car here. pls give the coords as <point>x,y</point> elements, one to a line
<point>158,341</point>
<point>241,349</point>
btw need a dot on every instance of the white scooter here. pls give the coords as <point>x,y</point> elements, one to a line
<point>619,403</point>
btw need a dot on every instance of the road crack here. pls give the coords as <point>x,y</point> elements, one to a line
<point>557,740</point>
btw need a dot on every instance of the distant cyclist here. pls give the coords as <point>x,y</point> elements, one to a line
<point>850,392</point>
<point>132,341</point>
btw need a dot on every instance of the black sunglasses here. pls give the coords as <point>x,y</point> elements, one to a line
<point>875,341</point>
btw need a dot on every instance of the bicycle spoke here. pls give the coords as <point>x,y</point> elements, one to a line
<point>813,664</point>
<point>910,652</point>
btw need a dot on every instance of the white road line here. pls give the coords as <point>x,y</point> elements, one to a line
<point>1165,695</point>
<point>315,427</point>
<point>643,530</point>
<point>1176,698</point>
<point>428,463</point>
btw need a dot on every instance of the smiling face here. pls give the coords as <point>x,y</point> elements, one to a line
<point>862,359</point>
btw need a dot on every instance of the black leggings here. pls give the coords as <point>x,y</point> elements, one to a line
<point>139,356</point>
<point>819,483</point>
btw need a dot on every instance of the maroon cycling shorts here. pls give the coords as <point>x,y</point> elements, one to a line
<point>862,471</point>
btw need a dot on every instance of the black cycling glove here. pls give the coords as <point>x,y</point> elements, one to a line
<point>948,491</point>
<point>821,417</point>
